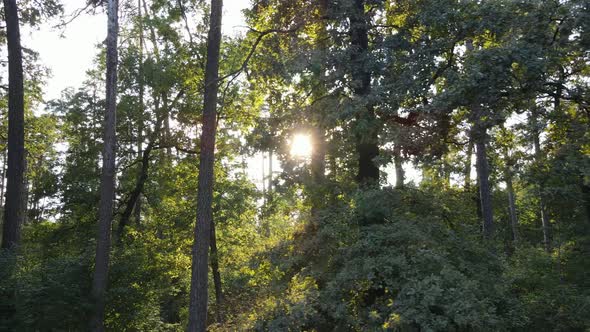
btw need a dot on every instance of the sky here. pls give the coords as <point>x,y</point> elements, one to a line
<point>71,55</point>
<point>69,52</point>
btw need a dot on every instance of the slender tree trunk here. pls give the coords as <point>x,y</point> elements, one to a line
<point>318,171</point>
<point>25,195</point>
<point>269,174</point>
<point>136,193</point>
<point>107,180</point>
<point>3,176</point>
<point>137,208</point>
<point>483,174</point>
<point>511,203</point>
<point>263,180</point>
<point>399,169</point>
<point>367,142</point>
<point>318,151</point>
<point>480,136</point>
<point>216,276</point>
<point>467,171</point>
<point>14,209</point>
<point>199,281</point>
<point>546,226</point>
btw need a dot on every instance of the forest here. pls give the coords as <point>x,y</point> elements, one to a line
<point>419,165</point>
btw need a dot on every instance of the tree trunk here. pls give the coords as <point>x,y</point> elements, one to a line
<point>107,180</point>
<point>137,208</point>
<point>269,174</point>
<point>484,185</point>
<point>216,276</point>
<point>136,193</point>
<point>467,171</point>
<point>399,169</point>
<point>511,203</point>
<point>14,209</point>
<point>546,226</point>
<point>200,252</point>
<point>480,137</point>
<point>367,142</point>
<point>3,176</point>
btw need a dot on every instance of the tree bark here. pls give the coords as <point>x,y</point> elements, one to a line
<point>137,208</point>
<point>467,171</point>
<point>107,180</point>
<point>399,169</point>
<point>216,276</point>
<point>511,201</point>
<point>3,176</point>
<point>479,135</point>
<point>483,174</point>
<point>136,193</point>
<point>318,139</point>
<point>367,142</point>
<point>200,252</point>
<point>545,224</point>
<point>14,209</point>
<point>318,170</point>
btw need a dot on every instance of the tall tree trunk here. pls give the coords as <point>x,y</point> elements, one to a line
<point>199,282</point>
<point>14,209</point>
<point>479,135</point>
<point>216,275</point>
<point>137,208</point>
<point>318,151</point>
<point>107,180</point>
<point>136,193</point>
<point>511,201</point>
<point>367,142</point>
<point>467,171</point>
<point>269,174</point>
<point>399,168</point>
<point>483,174</point>
<point>3,176</point>
<point>318,170</point>
<point>546,226</point>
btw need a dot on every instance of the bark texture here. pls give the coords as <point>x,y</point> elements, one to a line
<point>511,202</point>
<point>545,224</point>
<point>399,168</point>
<point>483,174</point>
<point>216,276</point>
<point>137,208</point>
<point>367,142</point>
<point>14,207</point>
<point>200,252</point>
<point>107,180</point>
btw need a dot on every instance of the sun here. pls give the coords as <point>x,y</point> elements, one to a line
<point>301,146</point>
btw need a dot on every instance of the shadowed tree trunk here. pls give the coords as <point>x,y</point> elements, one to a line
<point>511,198</point>
<point>137,208</point>
<point>14,207</point>
<point>136,193</point>
<point>318,139</point>
<point>216,275</point>
<point>367,142</point>
<point>200,253</point>
<point>479,135</point>
<point>467,171</point>
<point>399,169</point>
<point>2,176</point>
<point>483,175</point>
<point>107,180</point>
<point>546,226</point>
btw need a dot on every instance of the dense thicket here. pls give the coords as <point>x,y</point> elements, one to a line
<point>447,189</point>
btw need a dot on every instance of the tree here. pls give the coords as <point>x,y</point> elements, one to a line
<point>200,252</point>
<point>14,209</point>
<point>107,181</point>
